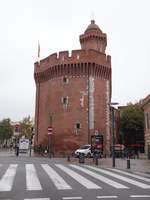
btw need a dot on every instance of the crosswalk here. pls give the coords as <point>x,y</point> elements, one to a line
<point>62,177</point>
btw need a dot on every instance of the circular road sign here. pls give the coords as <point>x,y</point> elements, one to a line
<point>50,129</point>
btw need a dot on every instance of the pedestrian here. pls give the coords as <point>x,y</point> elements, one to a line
<point>40,149</point>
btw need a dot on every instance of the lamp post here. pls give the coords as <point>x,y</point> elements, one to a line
<point>113,138</point>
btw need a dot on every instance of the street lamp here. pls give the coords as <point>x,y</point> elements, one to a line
<point>113,138</point>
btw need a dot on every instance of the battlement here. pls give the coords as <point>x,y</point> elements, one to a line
<point>76,56</point>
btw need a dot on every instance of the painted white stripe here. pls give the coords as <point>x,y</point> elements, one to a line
<point>8,178</point>
<point>143,174</point>
<point>99,177</point>
<point>38,199</point>
<point>32,181</point>
<point>128,180</point>
<point>72,198</point>
<point>107,197</point>
<point>82,180</point>
<point>129,174</point>
<point>58,181</point>
<point>139,196</point>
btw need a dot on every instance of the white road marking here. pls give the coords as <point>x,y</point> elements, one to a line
<point>32,181</point>
<point>82,180</point>
<point>128,180</point>
<point>99,177</point>
<point>132,175</point>
<point>58,181</point>
<point>38,199</point>
<point>107,197</point>
<point>8,178</point>
<point>65,198</point>
<point>143,174</point>
<point>140,196</point>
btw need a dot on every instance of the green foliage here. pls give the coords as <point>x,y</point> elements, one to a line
<point>25,127</point>
<point>6,130</point>
<point>131,121</point>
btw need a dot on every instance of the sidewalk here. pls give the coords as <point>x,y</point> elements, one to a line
<point>140,165</point>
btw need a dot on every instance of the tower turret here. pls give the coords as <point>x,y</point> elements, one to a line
<point>93,38</point>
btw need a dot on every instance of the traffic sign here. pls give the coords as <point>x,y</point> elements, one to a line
<point>50,129</point>
<point>16,128</point>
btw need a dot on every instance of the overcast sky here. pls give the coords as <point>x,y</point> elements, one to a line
<point>58,24</point>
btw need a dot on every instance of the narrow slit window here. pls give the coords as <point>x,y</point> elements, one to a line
<point>78,126</point>
<point>64,101</point>
<point>65,80</point>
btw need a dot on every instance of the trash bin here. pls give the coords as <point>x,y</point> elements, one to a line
<point>81,158</point>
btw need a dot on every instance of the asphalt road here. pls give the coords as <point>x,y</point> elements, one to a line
<point>25,178</point>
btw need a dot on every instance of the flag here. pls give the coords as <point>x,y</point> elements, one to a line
<point>39,52</point>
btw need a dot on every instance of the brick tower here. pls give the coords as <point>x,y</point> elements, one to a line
<point>73,94</point>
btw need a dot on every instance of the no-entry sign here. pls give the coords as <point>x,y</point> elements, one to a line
<point>16,127</point>
<point>50,129</point>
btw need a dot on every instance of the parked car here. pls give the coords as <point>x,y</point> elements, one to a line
<point>84,150</point>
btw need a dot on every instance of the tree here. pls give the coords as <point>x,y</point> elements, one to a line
<point>25,127</point>
<point>131,122</point>
<point>6,130</point>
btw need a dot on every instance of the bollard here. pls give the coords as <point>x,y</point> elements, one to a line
<point>96,161</point>
<point>128,164</point>
<point>81,158</point>
<point>68,158</point>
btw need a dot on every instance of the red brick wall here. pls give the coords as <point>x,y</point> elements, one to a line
<point>76,68</point>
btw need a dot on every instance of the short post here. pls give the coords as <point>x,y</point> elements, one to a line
<point>68,158</point>
<point>30,149</point>
<point>128,163</point>
<point>96,160</point>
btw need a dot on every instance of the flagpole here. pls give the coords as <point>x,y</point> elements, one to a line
<point>38,100</point>
<point>39,52</point>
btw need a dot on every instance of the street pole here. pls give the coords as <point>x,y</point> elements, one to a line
<point>50,145</point>
<point>50,134</point>
<point>88,108</point>
<point>113,139</point>
<point>30,148</point>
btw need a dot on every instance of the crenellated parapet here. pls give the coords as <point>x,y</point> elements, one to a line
<point>80,63</point>
<point>93,36</point>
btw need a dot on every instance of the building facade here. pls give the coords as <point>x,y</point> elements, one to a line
<point>73,93</point>
<point>146,108</point>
